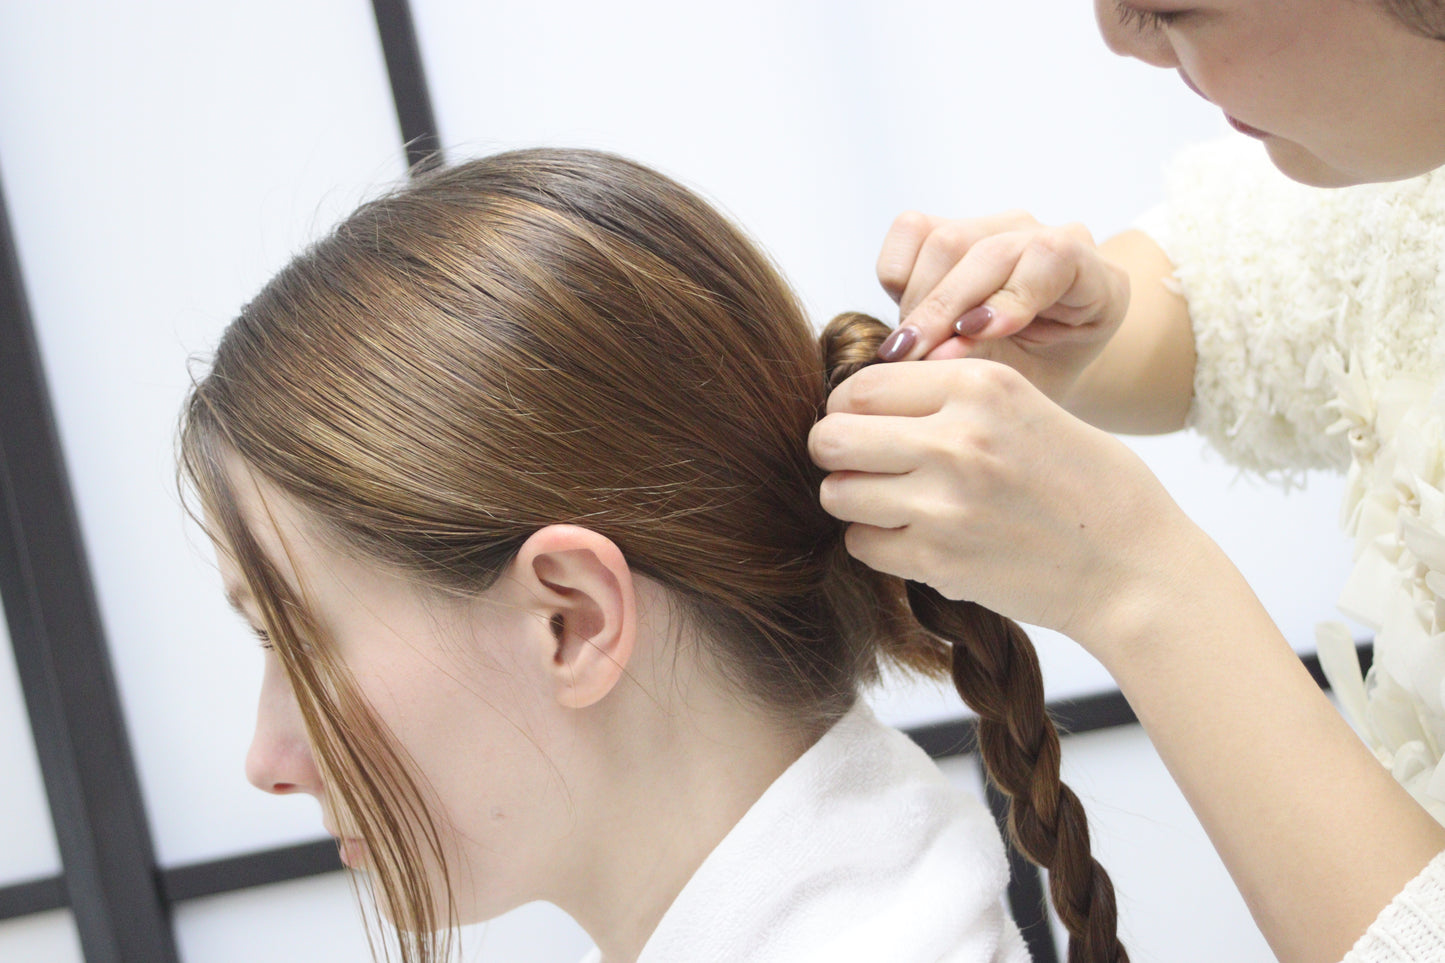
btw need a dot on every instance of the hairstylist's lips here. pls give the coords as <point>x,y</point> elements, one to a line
<point>1245,129</point>
<point>1238,125</point>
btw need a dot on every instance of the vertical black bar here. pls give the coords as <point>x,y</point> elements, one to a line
<point>64,667</point>
<point>1026,899</point>
<point>408,83</point>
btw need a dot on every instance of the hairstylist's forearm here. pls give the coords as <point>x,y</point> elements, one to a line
<point>1143,381</point>
<point>1315,832</point>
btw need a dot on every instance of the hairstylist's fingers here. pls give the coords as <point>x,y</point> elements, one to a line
<point>900,250</point>
<point>981,272</point>
<point>870,499</point>
<point>948,243</point>
<point>1059,273</point>
<point>847,441</point>
<point>918,252</point>
<point>905,389</point>
<point>893,551</point>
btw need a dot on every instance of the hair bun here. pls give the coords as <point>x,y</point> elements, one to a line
<point>850,342</point>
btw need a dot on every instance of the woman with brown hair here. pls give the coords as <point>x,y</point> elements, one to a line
<point>510,474</point>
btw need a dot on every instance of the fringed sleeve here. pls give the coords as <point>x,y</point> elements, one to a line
<point>1258,259</point>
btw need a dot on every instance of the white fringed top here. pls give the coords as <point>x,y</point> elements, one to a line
<point>1319,324</point>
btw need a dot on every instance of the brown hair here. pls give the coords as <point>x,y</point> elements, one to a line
<point>555,336</point>
<point>1425,17</point>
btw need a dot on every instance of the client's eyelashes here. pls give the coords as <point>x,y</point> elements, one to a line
<point>265,638</point>
<point>1145,20</point>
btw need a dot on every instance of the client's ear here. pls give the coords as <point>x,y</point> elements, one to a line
<point>583,592</point>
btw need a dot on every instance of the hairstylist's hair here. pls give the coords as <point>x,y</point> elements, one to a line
<point>554,336</point>
<point>1425,17</point>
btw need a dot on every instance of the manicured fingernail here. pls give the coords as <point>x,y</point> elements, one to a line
<point>899,343</point>
<point>974,321</point>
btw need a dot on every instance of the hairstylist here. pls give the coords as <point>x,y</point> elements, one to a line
<point>1302,311</point>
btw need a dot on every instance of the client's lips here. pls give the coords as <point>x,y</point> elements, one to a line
<point>353,851</point>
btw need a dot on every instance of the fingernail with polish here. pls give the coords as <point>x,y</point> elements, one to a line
<point>974,321</point>
<point>898,345</point>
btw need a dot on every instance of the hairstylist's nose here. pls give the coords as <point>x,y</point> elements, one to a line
<point>279,759</point>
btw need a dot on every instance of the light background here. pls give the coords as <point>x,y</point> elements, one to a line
<point>162,158</point>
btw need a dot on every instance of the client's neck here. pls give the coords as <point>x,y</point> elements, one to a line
<point>684,761</point>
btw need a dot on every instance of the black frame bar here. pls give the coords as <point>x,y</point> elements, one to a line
<point>409,91</point>
<point>1027,900</point>
<point>64,663</point>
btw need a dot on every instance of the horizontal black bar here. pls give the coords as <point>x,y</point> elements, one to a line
<point>1091,713</point>
<point>1106,710</point>
<point>1364,651</point>
<point>253,869</point>
<point>943,740</point>
<point>35,896</point>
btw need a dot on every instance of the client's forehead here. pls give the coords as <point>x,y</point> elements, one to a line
<point>276,523</point>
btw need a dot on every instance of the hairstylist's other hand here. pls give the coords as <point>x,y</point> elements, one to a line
<point>962,475</point>
<point>1042,300</point>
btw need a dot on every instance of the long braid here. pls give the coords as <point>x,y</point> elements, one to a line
<point>996,671</point>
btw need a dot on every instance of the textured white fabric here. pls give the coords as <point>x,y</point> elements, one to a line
<point>861,850</point>
<point>1289,284</point>
<point>1319,321</point>
<point>1412,928</point>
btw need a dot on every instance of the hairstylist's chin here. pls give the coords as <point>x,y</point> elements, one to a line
<point>1299,164</point>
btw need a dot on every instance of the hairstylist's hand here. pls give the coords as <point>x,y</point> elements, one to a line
<point>962,475</point>
<point>1042,300</point>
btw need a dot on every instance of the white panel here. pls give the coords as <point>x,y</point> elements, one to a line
<point>318,920</point>
<point>161,159</point>
<point>315,919</point>
<point>27,837</point>
<point>42,938</point>
<point>964,772</point>
<point>817,122</point>
<point>1176,901</point>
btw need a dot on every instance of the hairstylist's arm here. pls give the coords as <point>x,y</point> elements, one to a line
<point>962,475</point>
<point>1093,326</point>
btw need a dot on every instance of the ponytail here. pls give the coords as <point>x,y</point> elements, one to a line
<point>996,671</point>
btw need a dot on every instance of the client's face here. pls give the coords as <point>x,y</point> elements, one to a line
<point>454,692</point>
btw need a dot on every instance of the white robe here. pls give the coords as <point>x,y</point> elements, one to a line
<point>862,850</point>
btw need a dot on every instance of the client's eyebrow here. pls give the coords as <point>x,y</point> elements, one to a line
<point>235,596</point>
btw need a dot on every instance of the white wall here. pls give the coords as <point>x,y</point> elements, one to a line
<point>161,158</point>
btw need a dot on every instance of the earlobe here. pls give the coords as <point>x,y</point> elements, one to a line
<point>583,591</point>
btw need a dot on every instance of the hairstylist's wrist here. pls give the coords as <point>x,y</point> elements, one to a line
<point>1170,575</point>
